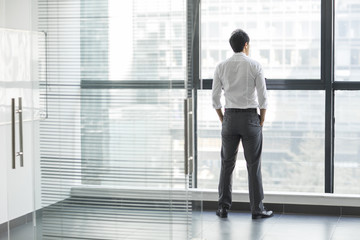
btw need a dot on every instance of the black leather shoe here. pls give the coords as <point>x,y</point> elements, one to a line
<point>263,214</point>
<point>222,212</point>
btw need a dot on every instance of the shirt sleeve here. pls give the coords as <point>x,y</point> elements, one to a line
<point>261,88</point>
<point>216,90</point>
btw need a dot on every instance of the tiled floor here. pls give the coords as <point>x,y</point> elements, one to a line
<point>240,226</point>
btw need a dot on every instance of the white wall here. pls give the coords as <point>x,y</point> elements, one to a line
<point>3,177</point>
<point>2,13</point>
<point>16,14</point>
<point>17,186</point>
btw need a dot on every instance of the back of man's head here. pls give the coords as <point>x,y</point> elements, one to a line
<point>238,39</point>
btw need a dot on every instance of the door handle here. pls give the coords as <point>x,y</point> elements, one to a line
<point>188,136</point>
<point>186,146</point>
<point>13,132</point>
<point>21,152</point>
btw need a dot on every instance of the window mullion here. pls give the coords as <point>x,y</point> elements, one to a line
<point>327,74</point>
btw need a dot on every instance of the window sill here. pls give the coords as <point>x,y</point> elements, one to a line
<point>322,199</point>
<point>325,199</point>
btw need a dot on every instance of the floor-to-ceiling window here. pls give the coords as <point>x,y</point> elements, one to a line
<point>285,38</point>
<point>310,54</point>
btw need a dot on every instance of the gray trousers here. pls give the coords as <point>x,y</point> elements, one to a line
<point>239,124</point>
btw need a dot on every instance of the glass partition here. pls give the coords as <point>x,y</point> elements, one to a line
<point>112,145</point>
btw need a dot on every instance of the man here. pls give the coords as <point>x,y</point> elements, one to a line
<point>242,80</point>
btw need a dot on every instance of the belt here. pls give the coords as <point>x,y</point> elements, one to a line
<point>240,110</point>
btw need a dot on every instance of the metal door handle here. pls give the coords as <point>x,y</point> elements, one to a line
<point>13,133</point>
<point>188,136</point>
<point>13,137</point>
<point>21,153</point>
<point>186,149</point>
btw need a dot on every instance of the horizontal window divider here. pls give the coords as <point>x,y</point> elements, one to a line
<point>281,84</point>
<point>295,85</point>
<point>346,85</point>
<point>133,84</point>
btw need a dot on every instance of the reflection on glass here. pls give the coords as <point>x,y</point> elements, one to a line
<point>293,150</point>
<point>347,39</point>
<point>284,35</point>
<point>347,142</point>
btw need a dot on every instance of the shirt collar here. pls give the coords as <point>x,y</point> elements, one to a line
<point>240,54</point>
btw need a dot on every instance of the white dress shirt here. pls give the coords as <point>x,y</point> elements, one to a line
<point>243,82</point>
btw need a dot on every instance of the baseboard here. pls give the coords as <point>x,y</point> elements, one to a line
<point>290,208</point>
<point>3,228</point>
<point>27,218</point>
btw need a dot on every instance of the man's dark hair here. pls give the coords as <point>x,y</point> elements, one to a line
<point>238,39</point>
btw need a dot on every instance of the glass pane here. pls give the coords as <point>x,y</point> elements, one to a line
<point>147,40</point>
<point>284,35</point>
<point>112,159</point>
<point>347,142</point>
<point>293,150</point>
<point>347,40</point>
<point>135,136</point>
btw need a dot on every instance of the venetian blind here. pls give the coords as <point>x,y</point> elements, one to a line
<point>112,136</point>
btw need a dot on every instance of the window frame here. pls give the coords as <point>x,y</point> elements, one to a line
<point>326,83</point>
